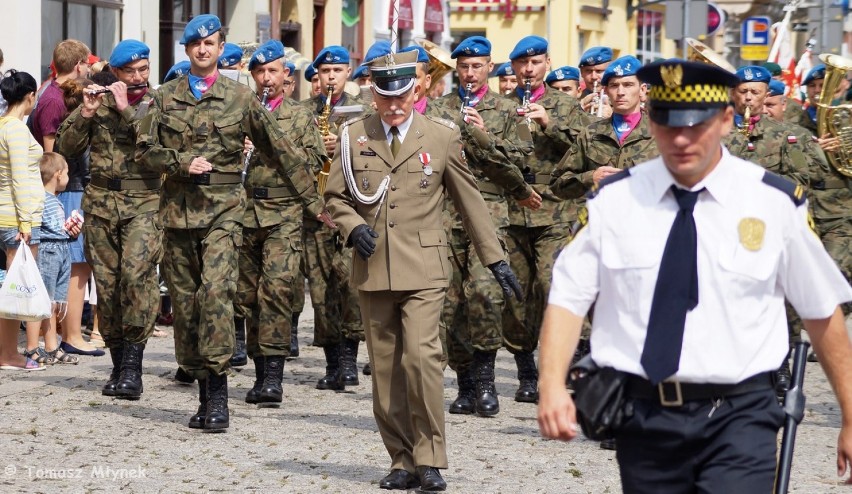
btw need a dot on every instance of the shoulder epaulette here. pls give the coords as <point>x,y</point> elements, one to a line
<point>794,191</point>
<point>356,118</point>
<point>608,180</point>
<point>442,121</point>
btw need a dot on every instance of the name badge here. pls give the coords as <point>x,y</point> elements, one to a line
<point>367,153</point>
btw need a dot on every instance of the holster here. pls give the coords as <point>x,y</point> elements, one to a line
<point>599,396</point>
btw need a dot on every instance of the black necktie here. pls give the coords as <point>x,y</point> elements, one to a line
<point>675,293</point>
<point>395,144</point>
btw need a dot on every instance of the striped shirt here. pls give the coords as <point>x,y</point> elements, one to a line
<point>21,190</point>
<point>53,220</point>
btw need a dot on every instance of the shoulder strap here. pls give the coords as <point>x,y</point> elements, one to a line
<point>795,192</point>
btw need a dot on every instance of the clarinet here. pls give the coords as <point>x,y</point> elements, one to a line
<point>527,97</point>
<point>107,90</point>
<point>466,99</point>
<point>250,152</point>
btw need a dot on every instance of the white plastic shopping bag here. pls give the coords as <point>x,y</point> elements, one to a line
<point>23,295</point>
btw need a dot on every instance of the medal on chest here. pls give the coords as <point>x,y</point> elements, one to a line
<point>425,159</point>
<point>750,146</point>
<point>362,140</point>
<point>365,184</point>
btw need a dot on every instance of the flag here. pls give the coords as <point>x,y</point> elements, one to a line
<point>350,14</point>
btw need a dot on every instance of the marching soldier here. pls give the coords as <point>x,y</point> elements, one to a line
<point>123,234</point>
<point>312,77</point>
<point>551,120</point>
<point>269,275</point>
<point>337,318</point>
<point>593,63</point>
<point>472,314</point>
<point>290,81</point>
<point>424,78</point>
<point>386,192</point>
<point>193,132</point>
<point>507,81</point>
<point>565,79</point>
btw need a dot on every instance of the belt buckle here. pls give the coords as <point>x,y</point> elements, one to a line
<point>664,396</point>
<point>202,179</point>
<point>260,193</point>
<point>529,178</point>
<point>114,184</point>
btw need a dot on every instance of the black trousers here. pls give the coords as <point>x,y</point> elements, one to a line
<point>680,450</point>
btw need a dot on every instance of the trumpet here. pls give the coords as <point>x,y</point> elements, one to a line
<point>250,152</point>
<point>105,90</point>
<point>596,107</point>
<point>466,100</point>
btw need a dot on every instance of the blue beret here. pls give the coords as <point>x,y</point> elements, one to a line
<point>815,73</point>
<point>291,66</point>
<point>179,69</point>
<point>422,56</point>
<point>622,67</point>
<point>267,52</point>
<point>201,26</point>
<point>378,49</point>
<point>474,46</point>
<point>529,46</point>
<point>231,55</point>
<point>754,73</point>
<point>360,71</point>
<point>596,55</point>
<point>129,50</point>
<point>776,88</point>
<point>334,54</point>
<point>310,72</point>
<point>504,69</point>
<point>566,73</point>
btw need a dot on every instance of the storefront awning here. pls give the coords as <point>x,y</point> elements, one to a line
<point>434,17</point>
<point>406,14</point>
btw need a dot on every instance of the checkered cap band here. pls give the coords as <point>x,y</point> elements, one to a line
<point>693,93</point>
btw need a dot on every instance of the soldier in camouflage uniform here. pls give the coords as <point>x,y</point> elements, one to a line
<point>123,240</point>
<point>337,316</point>
<point>194,132</point>
<point>272,232</point>
<point>552,121</point>
<point>472,312</point>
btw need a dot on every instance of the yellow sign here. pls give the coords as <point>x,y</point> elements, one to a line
<point>754,52</point>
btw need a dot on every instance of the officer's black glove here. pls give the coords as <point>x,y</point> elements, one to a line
<point>362,241</point>
<point>507,279</point>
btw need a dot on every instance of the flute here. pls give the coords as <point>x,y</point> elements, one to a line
<point>105,90</point>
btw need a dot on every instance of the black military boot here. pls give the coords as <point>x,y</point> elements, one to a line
<point>332,364</point>
<point>486,394</point>
<point>129,384</point>
<point>294,336</point>
<point>253,394</point>
<point>528,378</point>
<point>271,392</point>
<point>348,373</point>
<point>183,377</point>
<point>216,419</point>
<point>239,358</point>
<point>782,379</point>
<point>465,402</point>
<point>197,420</point>
<point>115,353</point>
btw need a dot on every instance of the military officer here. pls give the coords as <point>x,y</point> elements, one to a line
<point>507,81</point>
<point>337,319</point>
<point>123,233</point>
<point>386,193</point>
<point>472,314</point>
<point>565,79</point>
<point>193,132</point>
<point>551,120</point>
<point>593,63</point>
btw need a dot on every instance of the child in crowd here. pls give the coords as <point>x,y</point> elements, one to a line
<point>54,262</point>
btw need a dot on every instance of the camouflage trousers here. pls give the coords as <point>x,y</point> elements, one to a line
<point>472,316</point>
<point>328,263</point>
<point>532,253</point>
<point>124,256</point>
<point>200,269</point>
<point>837,239</point>
<point>268,277</point>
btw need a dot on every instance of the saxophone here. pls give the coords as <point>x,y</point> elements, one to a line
<point>322,122</point>
<point>250,152</point>
<point>744,130</point>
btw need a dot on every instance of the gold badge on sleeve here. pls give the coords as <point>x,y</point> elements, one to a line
<point>751,232</point>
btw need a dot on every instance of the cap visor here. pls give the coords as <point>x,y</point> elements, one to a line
<point>671,117</point>
<point>395,87</point>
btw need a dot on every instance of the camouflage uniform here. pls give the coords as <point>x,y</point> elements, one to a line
<point>272,239</point>
<point>535,238</point>
<point>771,145</point>
<point>203,214</point>
<point>472,312</point>
<point>123,235</point>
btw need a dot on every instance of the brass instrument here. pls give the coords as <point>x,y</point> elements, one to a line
<point>466,100</point>
<point>250,152</point>
<point>744,129</point>
<point>440,62</point>
<point>699,52</point>
<point>595,107</point>
<point>835,120</point>
<point>325,130</point>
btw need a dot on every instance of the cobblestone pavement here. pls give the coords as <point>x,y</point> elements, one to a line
<point>59,434</point>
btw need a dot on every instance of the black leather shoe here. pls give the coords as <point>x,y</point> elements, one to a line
<point>431,480</point>
<point>608,444</point>
<point>332,364</point>
<point>116,354</point>
<point>399,479</point>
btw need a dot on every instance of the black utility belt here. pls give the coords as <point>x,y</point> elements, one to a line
<point>537,178</point>
<point>210,179</point>
<point>675,393</point>
<point>270,192</point>
<point>832,183</point>
<point>117,184</point>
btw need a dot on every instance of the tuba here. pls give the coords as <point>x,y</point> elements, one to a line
<point>835,120</point>
<point>699,52</point>
<point>440,62</point>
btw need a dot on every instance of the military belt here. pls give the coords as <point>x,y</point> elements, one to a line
<point>211,179</point>
<point>675,393</point>
<point>537,178</point>
<point>831,183</point>
<point>126,183</point>
<point>270,192</point>
<point>490,188</point>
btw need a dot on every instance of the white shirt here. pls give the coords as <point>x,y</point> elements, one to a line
<point>739,327</point>
<point>403,128</point>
